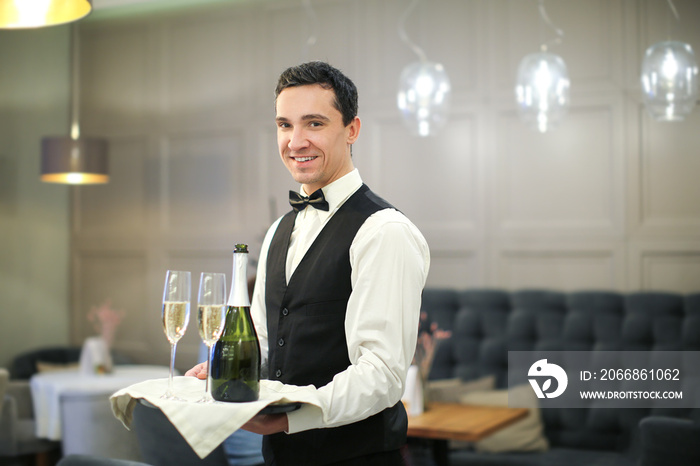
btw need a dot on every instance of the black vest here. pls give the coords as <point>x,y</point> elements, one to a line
<point>306,336</point>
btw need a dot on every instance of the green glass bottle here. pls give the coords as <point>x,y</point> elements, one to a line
<point>235,364</point>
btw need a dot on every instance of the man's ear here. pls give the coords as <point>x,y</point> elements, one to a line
<point>353,130</point>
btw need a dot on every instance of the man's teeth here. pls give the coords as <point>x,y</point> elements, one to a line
<point>304,159</point>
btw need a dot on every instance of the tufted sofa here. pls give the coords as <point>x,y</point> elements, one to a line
<point>486,324</point>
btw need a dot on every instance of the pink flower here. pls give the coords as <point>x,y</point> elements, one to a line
<point>105,320</point>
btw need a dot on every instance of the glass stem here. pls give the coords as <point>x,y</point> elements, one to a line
<point>208,369</point>
<point>172,367</point>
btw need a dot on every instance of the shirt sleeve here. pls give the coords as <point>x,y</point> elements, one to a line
<point>390,262</point>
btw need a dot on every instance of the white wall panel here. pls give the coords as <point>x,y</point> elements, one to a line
<point>206,184</point>
<point>433,180</point>
<point>567,180</point>
<point>118,208</point>
<point>206,71</point>
<point>560,270</point>
<point>120,278</point>
<point>665,265</point>
<point>290,27</point>
<point>454,269</point>
<point>673,271</point>
<point>116,80</point>
<point>669,162</point>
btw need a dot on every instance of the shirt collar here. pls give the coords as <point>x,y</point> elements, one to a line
<point>337,192</point>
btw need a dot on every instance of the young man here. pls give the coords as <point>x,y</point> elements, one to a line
<point>338,288</point>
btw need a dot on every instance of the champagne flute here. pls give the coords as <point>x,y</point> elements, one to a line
<point>211,312</point>
<point>176,316</point>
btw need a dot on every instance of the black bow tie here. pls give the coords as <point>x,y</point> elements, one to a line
<point>299,202</point>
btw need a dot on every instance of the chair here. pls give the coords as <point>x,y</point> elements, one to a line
<point>91,460</point>
<point>27,364</point>
<point>89,427</point>
<point>162,445</point>
<point>17,438</point>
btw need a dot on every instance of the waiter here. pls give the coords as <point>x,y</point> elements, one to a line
<point>338,288</point>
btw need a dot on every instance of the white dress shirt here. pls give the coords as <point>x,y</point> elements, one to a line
<point>390,262</point>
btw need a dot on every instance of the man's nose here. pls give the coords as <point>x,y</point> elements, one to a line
<point>298,140</point>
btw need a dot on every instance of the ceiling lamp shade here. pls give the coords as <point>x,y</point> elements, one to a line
<point>74,161</point>
<point>542,90</point>
<point>669,80</point>
<point>423,97</point>
<point>19,14</point>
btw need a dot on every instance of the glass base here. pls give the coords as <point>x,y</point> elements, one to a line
<point>171,396</point>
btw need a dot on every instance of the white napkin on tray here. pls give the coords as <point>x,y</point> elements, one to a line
<point>205,426</point>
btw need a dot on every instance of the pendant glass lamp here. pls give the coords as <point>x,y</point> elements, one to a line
<point>424,89</point>
<point>542,90</point>
<point>74,159</point>
<point>669,80</point>
<point>423,97</point>
<point>542,87</point>
<point>18,14</point>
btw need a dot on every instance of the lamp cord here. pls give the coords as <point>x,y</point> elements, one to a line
<point>675,14</point>
<point>560,33</point>
<point>75,84</point>
<point>404,37</point>
<point>673,9</point>
<point>313,19</point>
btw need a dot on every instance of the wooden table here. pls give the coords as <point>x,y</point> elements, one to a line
<point>450,421</point>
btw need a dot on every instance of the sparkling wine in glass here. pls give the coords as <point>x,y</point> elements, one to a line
<point>176,316</point>
<point>211,311</point>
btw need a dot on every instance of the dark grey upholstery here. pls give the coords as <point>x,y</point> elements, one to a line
<point>486,324</point>
<point>162,445</point>
<point>658,433</point>
<point>89,460</point>
<point>25,365</point>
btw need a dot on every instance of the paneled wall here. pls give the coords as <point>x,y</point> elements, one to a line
<point>609,200</point>
<point>34,216</point>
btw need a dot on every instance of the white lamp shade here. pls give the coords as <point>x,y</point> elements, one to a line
<point>424,97</point>
<point>18,14</point>
<point>669,80</point>
<point>542,90</point>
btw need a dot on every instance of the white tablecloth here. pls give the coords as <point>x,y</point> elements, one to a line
<point>206,426</point>
<point>47,388</point>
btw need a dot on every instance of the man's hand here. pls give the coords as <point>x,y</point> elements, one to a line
<point>199,371</point>
<point>266,424</point>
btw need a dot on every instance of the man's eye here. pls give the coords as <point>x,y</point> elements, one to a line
<point>316,124</point>
<point>283,125</point>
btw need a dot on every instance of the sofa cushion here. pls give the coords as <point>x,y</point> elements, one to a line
<point>552,457</point>
<point>523,435</point>
<point>452,390</point>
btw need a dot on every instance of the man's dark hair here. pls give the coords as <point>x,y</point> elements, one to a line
<point>328,77</point>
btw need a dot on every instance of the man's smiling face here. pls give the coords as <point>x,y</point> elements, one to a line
<point>312,140</point>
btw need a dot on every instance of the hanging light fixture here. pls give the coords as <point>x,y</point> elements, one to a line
<point>74,159</point>
<point>542,88</point>
<point>669,79</point>
<point>19,14</point>
<point>424,89</point>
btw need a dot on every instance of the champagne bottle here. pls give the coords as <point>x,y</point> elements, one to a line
<point>235,364</point>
